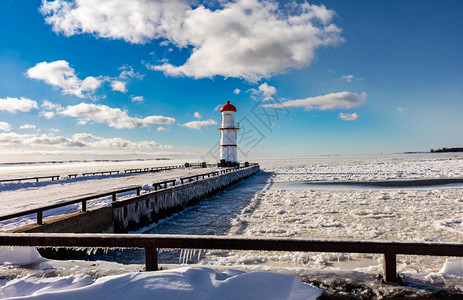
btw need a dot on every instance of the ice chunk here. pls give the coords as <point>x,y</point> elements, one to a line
<point>19,256</point>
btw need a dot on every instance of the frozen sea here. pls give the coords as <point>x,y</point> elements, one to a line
<point>289,198</point>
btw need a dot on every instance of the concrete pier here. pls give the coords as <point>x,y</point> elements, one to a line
<point>148,208</point>
<point>141,210</point>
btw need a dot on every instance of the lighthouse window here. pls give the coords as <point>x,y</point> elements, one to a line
<point>228,115</point>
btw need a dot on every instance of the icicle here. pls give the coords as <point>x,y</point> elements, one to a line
<point>180,257</point>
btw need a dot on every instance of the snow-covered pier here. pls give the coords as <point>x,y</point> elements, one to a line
<point>168,197</point>
<point>144,209</point>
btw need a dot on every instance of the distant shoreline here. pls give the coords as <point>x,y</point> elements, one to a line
<point>447,150</point>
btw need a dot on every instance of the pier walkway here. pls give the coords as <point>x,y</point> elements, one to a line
<point>17,197</point>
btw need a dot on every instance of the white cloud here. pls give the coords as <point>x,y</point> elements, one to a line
<point>267,91</point>
<point>114,117</point>
<point>14,105</point>
<point>400,109</point>
<point>237,91</point>
<point>117,85</point>
<point>199,124</point>
<point>347,78</point>
<point>85,137</point>
<point>218,107</point>
<point>127,72</point>
<point>348,117</point>
<point>32,139</point>
<point>50,106</point>
<point>248,39</point>
<point>197,115</point>
<point>60,74</point>
<point>350,78</point>
<point>79,140</point>
<point>120,83</point>
<point>54,130</point>
<point>4,126</point>
<point>27,126</point>
<point>47,114</point>
<point>342,100</point>
<point>137,98</point>
<point>161,129</point>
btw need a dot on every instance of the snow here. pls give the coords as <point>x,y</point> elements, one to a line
<point>278,202</point>
<point>19,256</point>
<point>181,283</point>
<point>453,267</point>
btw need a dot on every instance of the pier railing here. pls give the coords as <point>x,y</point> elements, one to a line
<point>83,199</point>
<point>74,175</point>
<point>36,178</point>
<point>152,242</point>
<point>39,210</point>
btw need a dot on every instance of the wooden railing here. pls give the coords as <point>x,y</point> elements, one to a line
<point>157,185</point>
<point>52,177</point>
<point>152,242</point>
<point>39,210</point>
<point>98,173</point>
<point>74,175</point>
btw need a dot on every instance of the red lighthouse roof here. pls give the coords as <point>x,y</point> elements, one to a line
<point>228,107</point>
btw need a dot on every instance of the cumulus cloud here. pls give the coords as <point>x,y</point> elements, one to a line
<point>29,139</point>
<point>120,83</point>
<point>119,86</point>
<point>79,140</point>
<point>267,91</point>
<point>47,114</point>
<point>199,124</point>
<point>59,74</point>
<point>114,117</point>
<point>137,98</point>
<point>237,91</point>
<point>197,115</point>
<point>14,105</point>
<point>348,117</point>
<point>161,129</point>
<point>27,126</point>
<point>342,100</point>
<point>248,39</point>
<point>350,78</point>
<point>4,126</point>
<point>50,106</point>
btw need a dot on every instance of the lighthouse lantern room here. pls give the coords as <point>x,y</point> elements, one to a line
<point>228,130</point>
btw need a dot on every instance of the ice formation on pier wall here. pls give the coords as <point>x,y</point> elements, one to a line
<point>149,205</point>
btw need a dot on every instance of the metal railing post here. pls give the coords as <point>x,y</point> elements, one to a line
<point>39,217</point>
<point>390,268</point>
<point>151,259</point>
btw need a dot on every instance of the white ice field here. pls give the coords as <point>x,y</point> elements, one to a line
<point>277,202</point>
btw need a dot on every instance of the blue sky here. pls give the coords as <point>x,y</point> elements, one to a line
<point>143,79</point>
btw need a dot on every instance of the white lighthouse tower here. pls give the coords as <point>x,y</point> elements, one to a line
<point>228,129</point>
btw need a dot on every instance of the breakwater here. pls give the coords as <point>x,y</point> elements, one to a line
<point>148,208</point>
<point>140,210</point>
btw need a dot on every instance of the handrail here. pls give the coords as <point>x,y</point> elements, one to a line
<point>151,242</point>
<point>31,178</point>
<point>157,185</point>
<point>39,210</point>
<point>98,173</point>
<point>56,177</point>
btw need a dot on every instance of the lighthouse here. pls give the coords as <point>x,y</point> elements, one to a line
<point>228,129</point>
